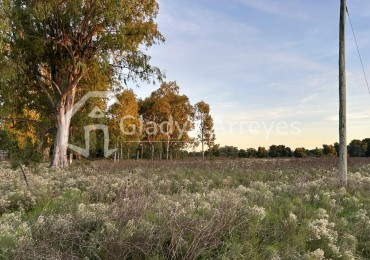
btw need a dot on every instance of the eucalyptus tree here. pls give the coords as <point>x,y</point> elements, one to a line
<point>206,134</point>
<point>57,43</point>
<point>124,122</point>
<point>171,114</point>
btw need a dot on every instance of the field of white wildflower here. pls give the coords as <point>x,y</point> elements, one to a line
<point>231,209</point>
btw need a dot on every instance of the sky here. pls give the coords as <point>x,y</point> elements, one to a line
<point>268,68</point>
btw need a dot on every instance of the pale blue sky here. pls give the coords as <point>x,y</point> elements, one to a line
<point>268,68</point>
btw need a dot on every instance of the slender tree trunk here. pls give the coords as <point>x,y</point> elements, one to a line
<point>202,134</point>
<point>121,151</point>
<point>116,153</point>
<point>342,97</point>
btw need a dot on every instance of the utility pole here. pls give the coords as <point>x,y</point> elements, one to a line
<point>342,97</point>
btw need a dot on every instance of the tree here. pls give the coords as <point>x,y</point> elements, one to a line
<point>97,80</point>
<point>214,150</point>
<point>286,151</point>
<point>229,151</point>
<point>170,115</point>
<point>317,152</point>
<point>273,152</point>
<point>55,44</point>
<point>262,152</point>
<point>336,146</point>
<point>357,148</point>
<point>300,152</point>
<point>242,153</point>
<point>125,123</point>
<point>279,151</point>
<point>206,133</point>
<point>251,153</point>
<point>367,141</point>
<point>329,150</point>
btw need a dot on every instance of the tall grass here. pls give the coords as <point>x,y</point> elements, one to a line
<point>243,209</point>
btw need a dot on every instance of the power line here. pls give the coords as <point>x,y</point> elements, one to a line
<point>358,50</point>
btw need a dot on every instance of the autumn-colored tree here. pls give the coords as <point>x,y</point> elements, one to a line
<point>206,133</point>
<point>172,113</point>
<point>329,150</point>
<point>93,111</point>
<point>124,123</point>
<point>54,44</point>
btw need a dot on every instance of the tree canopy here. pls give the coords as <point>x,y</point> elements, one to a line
<point>48,47</point>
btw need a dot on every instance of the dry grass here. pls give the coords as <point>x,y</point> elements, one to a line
<point>247,208</point>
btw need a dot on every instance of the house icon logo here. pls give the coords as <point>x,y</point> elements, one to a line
<point>95,113</point>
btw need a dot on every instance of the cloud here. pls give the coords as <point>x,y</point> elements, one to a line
<point>285,8</point>
<point>246,70</point>
<point>309,98</point>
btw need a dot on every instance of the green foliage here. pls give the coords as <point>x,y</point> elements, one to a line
<point>229,151</point>
<point>280,151</point>
<point>262,152</point>
<point>52,45</point>
<point>357,148</point>
<point>251,153</point>
<point>317,152</point>
<point>25,153</point>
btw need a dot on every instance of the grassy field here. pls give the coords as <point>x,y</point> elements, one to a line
<point>219,209</point>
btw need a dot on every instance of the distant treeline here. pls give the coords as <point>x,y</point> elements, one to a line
<point>356,148</point>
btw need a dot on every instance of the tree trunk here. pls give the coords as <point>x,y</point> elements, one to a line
<point>115,154</point>
<point>121,151</point>
<point>64,115</point>
<point>59,159</point>
<point>202,150</point>
<point>202,130</point>
<point>168,148</point>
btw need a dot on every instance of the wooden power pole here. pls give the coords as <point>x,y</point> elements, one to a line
<point>342,97</point>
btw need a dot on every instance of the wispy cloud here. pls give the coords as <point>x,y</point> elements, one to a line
<point>248,68</point>
<point>285,8</point>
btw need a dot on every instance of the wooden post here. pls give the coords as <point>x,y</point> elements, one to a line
<point>342,97</point>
